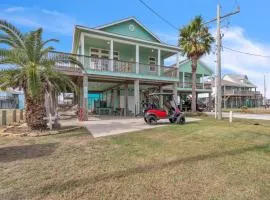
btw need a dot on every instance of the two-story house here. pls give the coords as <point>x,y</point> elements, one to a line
<point>124,60</point>
<point>238,91</point>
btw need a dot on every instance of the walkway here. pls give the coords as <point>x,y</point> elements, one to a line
<point>100,127</point>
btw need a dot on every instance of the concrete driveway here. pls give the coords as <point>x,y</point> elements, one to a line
<point>100,127</point>
<point>244,116</point>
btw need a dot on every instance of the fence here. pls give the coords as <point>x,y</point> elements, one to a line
<point>11,116</point>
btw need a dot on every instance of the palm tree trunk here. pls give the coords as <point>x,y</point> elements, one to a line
<point>194,99</point>
<point>35,112</point>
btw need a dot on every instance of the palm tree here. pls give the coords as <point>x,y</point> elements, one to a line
<point>32,69</point>
<point>195,41</point>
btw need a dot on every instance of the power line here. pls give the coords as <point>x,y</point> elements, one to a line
<point>174,27</point>
<point>158,15</point>
<point>247,53</point>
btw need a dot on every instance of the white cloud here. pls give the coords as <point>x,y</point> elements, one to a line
<point>14,9</point>
<point>33,17</point>
<point>232,62</point>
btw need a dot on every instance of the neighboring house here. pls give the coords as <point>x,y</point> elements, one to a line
<point>11,99</point>
<point>238,91</point>
<point>125,61</point>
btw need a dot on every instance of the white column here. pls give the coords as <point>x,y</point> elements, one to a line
<point>137,59</point>
<point>161,97</point>
<point>82,48</point>
<point>175,93</point>
<point>203,81</point>
<point>126,99</point>
<point>184,80</point>
<point>111,56</point>
<point>85,97</point>
<point>177,64</point>
<point>159,67</point>
<point>136,97</point>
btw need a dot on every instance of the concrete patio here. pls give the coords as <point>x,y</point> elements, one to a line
<point>106,126</point>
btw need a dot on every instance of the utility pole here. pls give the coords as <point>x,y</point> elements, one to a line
<point>218,70</point>
<point>218,95</point>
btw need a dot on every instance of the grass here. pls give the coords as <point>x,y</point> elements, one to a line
<point>201,160</point>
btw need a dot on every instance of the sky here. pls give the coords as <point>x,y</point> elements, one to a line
<point>246,31</point>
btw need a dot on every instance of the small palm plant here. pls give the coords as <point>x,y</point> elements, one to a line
<point>32,69</point>
<point>195,40</point>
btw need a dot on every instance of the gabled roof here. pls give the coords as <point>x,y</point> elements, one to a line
<point>237,80</point>
<point>200,63</point>
<point>126,20</point>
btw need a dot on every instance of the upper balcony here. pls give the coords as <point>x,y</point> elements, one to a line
<point>199,86</point>
<point>116,68</point>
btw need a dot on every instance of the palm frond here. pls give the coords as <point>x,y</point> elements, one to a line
<point>13,32</point>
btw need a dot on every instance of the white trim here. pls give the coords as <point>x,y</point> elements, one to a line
<point>128,19</point>
<point>165,47</point>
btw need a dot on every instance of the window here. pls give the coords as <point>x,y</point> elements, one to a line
<point>152,64</point>
<point>103,53</point>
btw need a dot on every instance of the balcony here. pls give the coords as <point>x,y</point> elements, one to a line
<point>94,64</point>
<point>238,93</point>
<point>199,86</point>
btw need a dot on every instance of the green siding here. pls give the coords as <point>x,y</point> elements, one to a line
<point>123,29</point>
<point>201,68</point>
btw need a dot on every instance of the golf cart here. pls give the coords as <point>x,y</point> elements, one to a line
<point>171,111</point>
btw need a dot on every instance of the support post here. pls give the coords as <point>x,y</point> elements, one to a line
<point>137,59</point>
<point>159,67</point>
<point>210,101</point>
<point>85,98</point>
<point>111,56</point>
<point>136,97</point>
<point>175,93</point>
<point>126,99</point>
<point>161,97</point>
<point>183,80</point>
<point>203,81</point>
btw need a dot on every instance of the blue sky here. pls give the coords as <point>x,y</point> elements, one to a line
<point>246,31</point>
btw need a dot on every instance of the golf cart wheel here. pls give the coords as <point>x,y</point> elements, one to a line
<point>145,119</point>
<point>172,120</point>
<point>181,120</point>
<point>151,120</point>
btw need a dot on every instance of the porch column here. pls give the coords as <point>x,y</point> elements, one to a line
<point>203,81</point>
<point>137,59</point>
<point>82,48</point>
<point>136,97</point>
<point>111,56</point>
<point>159,67</point>
<point>224,97</point>
<point>126,99</point>
<point>161,97</point>
<point>183,79</point>
<point>175,93</point>
<point>85,98</point>
<point>177,64</point>
<point>210,100</point>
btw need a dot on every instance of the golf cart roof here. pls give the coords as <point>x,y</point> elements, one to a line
<point>161,93</point>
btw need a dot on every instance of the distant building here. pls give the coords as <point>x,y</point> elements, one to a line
<point>11,99</point>
<point>238,91</point>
